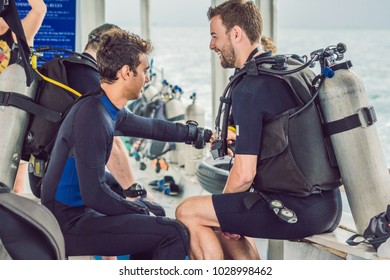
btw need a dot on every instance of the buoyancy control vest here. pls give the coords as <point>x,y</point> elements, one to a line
<point>53,93</point>
<point>293,143</point>
<point>53,97</point>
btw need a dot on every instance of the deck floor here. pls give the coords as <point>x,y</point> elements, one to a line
<point>189,185</point>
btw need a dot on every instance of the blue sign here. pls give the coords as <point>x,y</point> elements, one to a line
<point>59,25</point>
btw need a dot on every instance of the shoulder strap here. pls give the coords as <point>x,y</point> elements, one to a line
<point>277,66</point>
<point>295,79</point>
<point>81,59</point>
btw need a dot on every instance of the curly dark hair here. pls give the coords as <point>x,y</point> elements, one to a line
<point>117,48</point>
<point>242,13</point>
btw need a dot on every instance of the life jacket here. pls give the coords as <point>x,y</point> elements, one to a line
<point>295,156</point>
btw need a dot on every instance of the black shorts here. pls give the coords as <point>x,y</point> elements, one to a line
<point>317,213</point>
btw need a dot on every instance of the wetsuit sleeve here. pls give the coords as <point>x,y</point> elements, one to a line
<point>92,141</point>
<point>129,124</point>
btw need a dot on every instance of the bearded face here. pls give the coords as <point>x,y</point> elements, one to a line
<point>220,43</point>
<point>227,55</point>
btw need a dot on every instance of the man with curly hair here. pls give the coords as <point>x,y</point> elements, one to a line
<point>94,215</point>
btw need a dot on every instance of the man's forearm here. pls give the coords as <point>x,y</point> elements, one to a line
<point>242,173</point>
<point>119,164</point>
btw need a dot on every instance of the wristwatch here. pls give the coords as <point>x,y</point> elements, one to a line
<point>135,190</point>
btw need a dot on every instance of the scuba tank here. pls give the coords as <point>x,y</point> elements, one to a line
<point>13,121</point>
<point>174,107</point>
<point>196,113</point>
<point>350,123</point>
<point>151,90</point>
<point>174,112</point>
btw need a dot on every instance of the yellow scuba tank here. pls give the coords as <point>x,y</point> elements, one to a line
<point>350,121</point>
<point>13,121</point>
<point>194,112</point>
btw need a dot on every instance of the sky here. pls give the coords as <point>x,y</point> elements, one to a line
<point>292,13</point>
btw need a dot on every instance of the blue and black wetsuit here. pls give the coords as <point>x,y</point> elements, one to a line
<point>256,100</point>
<point>94,219</point>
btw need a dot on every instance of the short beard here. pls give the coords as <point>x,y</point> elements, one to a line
<point>228,57</point>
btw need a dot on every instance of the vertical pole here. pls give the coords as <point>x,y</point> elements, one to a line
<point>89,15</point>
<point>145,19</point>
<point>219,77</point>
<point>269,13</point>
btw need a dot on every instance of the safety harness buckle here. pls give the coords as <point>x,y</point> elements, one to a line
<point>280,63</point>
<point>367,116</point>
<point>37,166</point>
<point>4,98</point>
<point>226,100</point>
<point>364,117</point>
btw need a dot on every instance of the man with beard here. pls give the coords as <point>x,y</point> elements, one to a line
<point>220,224</point>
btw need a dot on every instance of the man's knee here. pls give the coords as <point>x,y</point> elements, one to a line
<point>183,210</point>
<point>196,210</point>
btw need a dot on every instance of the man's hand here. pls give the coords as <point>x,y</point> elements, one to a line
<point>231,139</point>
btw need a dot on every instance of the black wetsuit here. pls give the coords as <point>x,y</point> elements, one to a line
<point>94,219</point>
<point>255,100</point>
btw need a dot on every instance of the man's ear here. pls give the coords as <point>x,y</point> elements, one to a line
<point>236,33</point>
<point>125,71</point>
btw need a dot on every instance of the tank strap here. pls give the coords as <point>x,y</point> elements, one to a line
<point>364,117</point>
<point>27,104</point>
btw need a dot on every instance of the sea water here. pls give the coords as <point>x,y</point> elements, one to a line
<point>184,56</point>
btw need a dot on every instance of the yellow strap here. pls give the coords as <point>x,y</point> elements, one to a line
<point>57,83</point>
